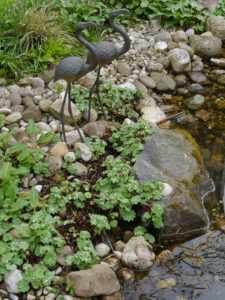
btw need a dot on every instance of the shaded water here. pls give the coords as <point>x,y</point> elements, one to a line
<point>197,267</point>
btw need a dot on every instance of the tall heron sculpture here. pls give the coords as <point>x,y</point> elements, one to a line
<point>72,68</point>
<point>107,52</point>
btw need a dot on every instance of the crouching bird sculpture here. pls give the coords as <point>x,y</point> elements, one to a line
<point>72,68</point>
<point>107,52</point>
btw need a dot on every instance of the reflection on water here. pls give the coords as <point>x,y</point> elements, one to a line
<point>196,270</point>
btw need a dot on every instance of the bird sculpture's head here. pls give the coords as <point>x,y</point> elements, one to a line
<point>82,25</point>
<point>117,12</point>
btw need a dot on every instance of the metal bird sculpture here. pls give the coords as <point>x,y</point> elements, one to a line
<point>107,52</point>
<point>72,68</point>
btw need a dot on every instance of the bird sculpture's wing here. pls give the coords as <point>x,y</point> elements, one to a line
<point>106,52</point>
<point>70,69</point>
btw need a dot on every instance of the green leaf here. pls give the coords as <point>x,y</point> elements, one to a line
<point>17,148</point>
<point>25,232</point>
<point>34,198</point>
<point>23,286</point>
<point>46,137</point>
<point>19,204</point>
<point>31,128</point>
<point>139,230</point>
<point>150,238</point>
<point>5,171</point>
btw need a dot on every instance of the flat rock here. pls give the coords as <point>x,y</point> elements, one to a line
<point>11,280</point>
<point>152,114</point>
<point>220,62</point>
<point>163,82</point>
<point>197,77</point>
<point>140,86</point>
<point>13,117</point>
<point>99,280</point>
<point>147,81</point>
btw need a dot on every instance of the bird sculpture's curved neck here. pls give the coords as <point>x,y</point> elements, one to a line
<point>88,66</point>
<point>125,36</point>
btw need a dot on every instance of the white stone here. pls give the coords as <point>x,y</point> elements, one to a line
<point>4,129</point>
<point>180,60</point>
<point>128,85</point>
<point>73,137</point>
<point>43,126</point>
<point>161,46</point>
<point>31,297</point>
<point>118,254</point>
<point>58,270</point>
<point>70,155</point>
<point>128,121</point>
<point>37,82</point>
<point>13,297</point>
<point>5,111</point>
<point>85,151</point>
<point>190,32</point>
<point>152,114</point>
<point>13,117</point>
<point>138,253</point>
<point>54,125</point>
<point>167,189</point>
<point>50,297</point>
<point>102,249</point>
<point>38,187</point>
<point>11,280</point>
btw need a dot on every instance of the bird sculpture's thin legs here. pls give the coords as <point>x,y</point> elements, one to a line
<point>62,114</point>
<point>96,87</point>
<point>71,114</point>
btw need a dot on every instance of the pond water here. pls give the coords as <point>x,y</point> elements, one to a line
<point>196,269</point>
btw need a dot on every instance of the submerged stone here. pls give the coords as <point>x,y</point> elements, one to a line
<point>175,158</point>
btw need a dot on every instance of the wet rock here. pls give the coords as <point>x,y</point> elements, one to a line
<point>197,77</point>
<point>206,47</point>
<point>194,102</point>
<point>202,114</point>
<point>13,117</point>
<point>125,274</point>
<point>168,157</point>
<point>15,98</point>
<point>138,253</point>
<point>114,296</point>
<point>85,152</point>
<point>182,91</point>
<point>102,249</point>
<point>216,24</point>
<point>196,88</point>
<point>93,115</point>
<point>113,262</point>
<point>221,79</point>
<point>98,128</point>
<point>152,114</point>
<point>11,280</point>
<point>148,81</point>
<point>99,280</point>
<point>220,62</point>
<point>163,255</point>
<point>180,60</point>
<point>140,86</point>
<point>124,69</point>
<point>180,79</point>
<point>163,82</point>
<point>119,246</point>
<point>55,163</point>
<point>166,284</point>
<point>59,149</point>
<point>60,257</point>
<point>56,107</point>
<point>32,112</point>
<point>179,36</point>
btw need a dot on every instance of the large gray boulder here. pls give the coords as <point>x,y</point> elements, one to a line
<point>99,280</point>
<point>206,46</point>
<point>174,158</point>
